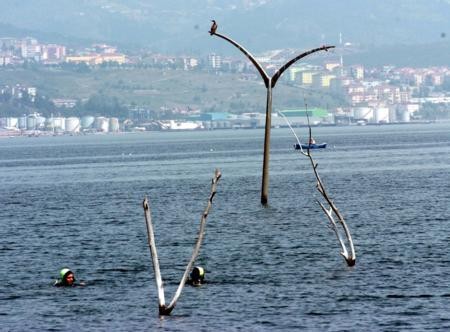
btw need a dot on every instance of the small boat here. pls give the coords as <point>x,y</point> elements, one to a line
<point>311,146</point>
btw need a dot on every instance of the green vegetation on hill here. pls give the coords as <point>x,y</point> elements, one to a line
<point>157,90</point>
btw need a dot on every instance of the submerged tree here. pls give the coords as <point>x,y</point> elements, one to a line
<point>327,204</point>
<point>269,82</point>
<point>163,308</point>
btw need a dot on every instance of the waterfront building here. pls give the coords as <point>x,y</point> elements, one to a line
<point>299,117</point>
<point>96,59</point>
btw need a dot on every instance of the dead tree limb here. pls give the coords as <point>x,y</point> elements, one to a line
<point>163,309</point>
<point>154,254</point>
<point>270,83</point>
<point>328,207</point>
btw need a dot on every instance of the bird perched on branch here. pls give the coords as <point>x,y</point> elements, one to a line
<point>213,28</point>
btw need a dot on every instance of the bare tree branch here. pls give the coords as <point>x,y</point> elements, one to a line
<point>154,254</point>
<point>163,309</point>
<point>332,211</point>
<point>200,236</point>
<point>270,83</point>
<point>280,71</point>
<point>260,69</point>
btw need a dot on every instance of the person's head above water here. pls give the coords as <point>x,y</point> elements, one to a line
<point>197,274</point>
<point>67,278</point>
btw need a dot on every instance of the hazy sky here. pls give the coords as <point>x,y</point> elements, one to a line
<point>180,26</point>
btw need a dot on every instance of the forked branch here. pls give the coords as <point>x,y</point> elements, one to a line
<point>269,82</point>
<point>266,78</point>
<point>163,309</point>
<point>329,208</point>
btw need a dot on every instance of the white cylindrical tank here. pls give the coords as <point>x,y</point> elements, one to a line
<point>114,125</point>
<point>40,122</point>
<point>72,125</point>
<point>31,122</point>
<point>87,121</point>
<point>23,122</point>
<point>12,122</point>
<point>404,115</point>
<point>101,124</point>
<point>381,114</point>
<point>207,125</point>
<point>58,123</point>
<point>363,113</point>
<point>392,114</point>
<point>48,123</point>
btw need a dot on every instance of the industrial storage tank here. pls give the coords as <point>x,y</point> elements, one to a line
<point>392,114</point>
<point>114,125</point>
<point>23,122</point>
<point>363,113</point>
<point>207,125</point>
<point>60,123</point>
<point>404,115</point>
<point>87,121</point>
<point>31,122</point>
<point>381,115</point>
<point>40,122</point>
<point>101,124</point>
<point>56,124</point>
<point>12,123</point>
<point>72,125</point>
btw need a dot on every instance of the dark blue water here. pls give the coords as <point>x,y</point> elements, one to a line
<point>76,201</point>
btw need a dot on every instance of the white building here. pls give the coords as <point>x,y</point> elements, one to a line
<point>214,61</point>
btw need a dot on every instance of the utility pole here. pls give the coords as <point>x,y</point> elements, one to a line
<point>269,82</point>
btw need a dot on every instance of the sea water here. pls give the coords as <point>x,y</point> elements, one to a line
<point>76,201</point>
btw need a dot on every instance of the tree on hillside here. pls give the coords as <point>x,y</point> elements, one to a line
<point>102,105</point>
<point>430,111</point>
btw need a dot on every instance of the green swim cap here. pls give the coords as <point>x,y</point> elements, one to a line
<point>63,273</point>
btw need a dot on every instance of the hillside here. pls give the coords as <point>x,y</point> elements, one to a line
<point>158,89</point>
